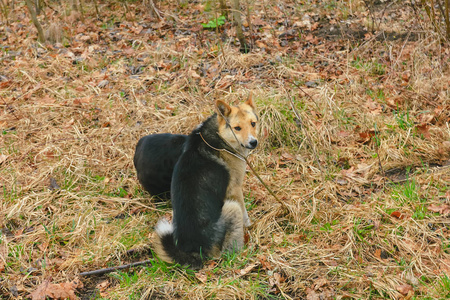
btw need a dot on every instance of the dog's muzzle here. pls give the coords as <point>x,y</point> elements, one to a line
<point>252,144</point>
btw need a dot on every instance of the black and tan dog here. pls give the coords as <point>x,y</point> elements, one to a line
<point>208,205</point>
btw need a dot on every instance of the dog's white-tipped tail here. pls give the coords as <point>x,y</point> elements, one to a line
<point>163,227</point>
<point>167,250</point>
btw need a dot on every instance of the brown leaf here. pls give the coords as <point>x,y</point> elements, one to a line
<point>65,290</point>
<point>398,215</point>
<point>426,118</point>
<point>374,107</point>
<point>247,269</point>
<point>395,102</point>
<point>320,289</point>
<point>40,292</point>
<point>377,253</point>
<point>279,278</point>
<point>404,289</point>
<point>442,209</point>
<point>265,264</point>
<point>43,247</point>
<point>365,137</point>
<point>423,129</point>
<point>201,277</point>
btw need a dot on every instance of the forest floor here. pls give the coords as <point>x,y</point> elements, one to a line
<point>360,159</point>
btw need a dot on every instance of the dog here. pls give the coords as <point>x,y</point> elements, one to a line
<point>208,205</point>
<point>155,159</point>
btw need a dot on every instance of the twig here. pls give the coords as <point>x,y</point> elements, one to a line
<point>11,108</point>
<point>112,269</point>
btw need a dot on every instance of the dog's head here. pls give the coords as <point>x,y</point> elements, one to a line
<point>238,125</point>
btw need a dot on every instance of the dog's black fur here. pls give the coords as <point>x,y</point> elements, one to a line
<point>155,159</point>
<point>202,220</point>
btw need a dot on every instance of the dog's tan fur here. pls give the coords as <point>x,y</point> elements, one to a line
<point>243,116</point>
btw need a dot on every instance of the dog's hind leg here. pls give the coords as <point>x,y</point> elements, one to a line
<point>233,218</point>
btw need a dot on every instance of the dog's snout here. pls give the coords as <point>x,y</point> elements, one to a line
<point>253,144</point>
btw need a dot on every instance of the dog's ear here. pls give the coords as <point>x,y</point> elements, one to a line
<point>223,108</point>
<point>250,102</point>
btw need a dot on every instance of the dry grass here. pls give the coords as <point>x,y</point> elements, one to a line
<point>74,115</point>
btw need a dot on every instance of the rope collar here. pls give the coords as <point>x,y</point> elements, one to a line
<point>235,154</point>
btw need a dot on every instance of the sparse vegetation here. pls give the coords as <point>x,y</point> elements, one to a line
<point>363,175</point>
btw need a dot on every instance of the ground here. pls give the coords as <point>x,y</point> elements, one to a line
<point>354,107</point>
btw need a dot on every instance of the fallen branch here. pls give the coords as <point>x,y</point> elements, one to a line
<point>112,269</point>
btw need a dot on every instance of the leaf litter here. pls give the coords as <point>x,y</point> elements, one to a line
<point>73,111</point>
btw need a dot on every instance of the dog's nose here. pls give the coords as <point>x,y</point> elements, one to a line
<point>253,144</point>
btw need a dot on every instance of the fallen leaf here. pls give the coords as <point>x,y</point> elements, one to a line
<point>62,291</point>
<point>404,289</point>
<point>320,290</point>
<point>247,269</point>
<point>265,264</point>
<point>374,107</point>
<point>442,209</point>
<point>377,253</point>
<point>201,277</point>
<point>43,247</point>
<point>398,215</point>
<point>426,118</point>
<point>395,102</point>
<point>365,137</point>
<point>423,129</point>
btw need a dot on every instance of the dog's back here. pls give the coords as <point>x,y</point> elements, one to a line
<point>155,159</point>
<point>201,220</point>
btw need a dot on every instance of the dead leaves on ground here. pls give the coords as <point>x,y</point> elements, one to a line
<point>320,290</point>
<point>60,291</point>
<point>442,209</point>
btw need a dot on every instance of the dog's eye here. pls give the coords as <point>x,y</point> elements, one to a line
<point>253,124</point>
<point>237,128</point>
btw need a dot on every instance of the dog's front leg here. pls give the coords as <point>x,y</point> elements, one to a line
<point>247,222</point>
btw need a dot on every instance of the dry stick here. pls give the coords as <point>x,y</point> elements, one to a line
<point>112,269</point>
<point>11,109</point>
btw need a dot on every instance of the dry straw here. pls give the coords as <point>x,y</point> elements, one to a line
<point>76,119</point>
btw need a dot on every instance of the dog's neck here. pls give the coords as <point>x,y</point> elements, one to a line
<point>211,137</point>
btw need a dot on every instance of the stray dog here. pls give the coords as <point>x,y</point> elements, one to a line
<point>155,159</point>
<point>208,205</point>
